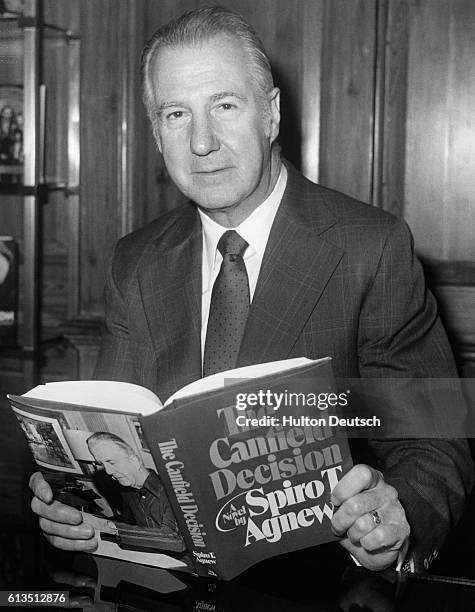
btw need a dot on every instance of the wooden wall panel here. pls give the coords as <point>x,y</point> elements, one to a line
<point>347,109</point>
<point>310,88</point>
<point>392,149</point>
<point>459,237</point>
<point>440,156</point>
<point>133,124</point>
<point>111,174</point>
<point>99,151</point>
<point>426,147</point>
<point>56,244</point>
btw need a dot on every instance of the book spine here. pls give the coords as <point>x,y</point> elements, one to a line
<point>172,462</point>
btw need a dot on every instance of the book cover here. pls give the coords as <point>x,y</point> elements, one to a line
<point>249,468</point>
<point>98,462</point>
<point>219,479</point>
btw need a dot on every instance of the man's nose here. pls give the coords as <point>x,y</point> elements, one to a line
<point>203,138</point>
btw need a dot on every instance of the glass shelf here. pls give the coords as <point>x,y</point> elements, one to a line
<point>51,114</point>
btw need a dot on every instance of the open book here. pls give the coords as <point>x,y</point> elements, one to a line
<point>233,469</point>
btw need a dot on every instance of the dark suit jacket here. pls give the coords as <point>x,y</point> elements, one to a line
<point>150,509</point>
<point>338,278</point>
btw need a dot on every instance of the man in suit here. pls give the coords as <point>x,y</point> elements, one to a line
<point>144,501</point>
<point>324,275</point>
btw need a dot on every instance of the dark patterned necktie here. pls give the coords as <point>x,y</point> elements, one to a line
<point>229,307</point>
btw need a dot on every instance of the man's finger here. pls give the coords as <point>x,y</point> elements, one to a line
<point>360,478</point>
<point>56,511</point>
<point>389,537</point>
<point>361,527</point>
<point>75,545</point>
<point>74,532</point>
<point>41,488</point>
<point>355,507</point>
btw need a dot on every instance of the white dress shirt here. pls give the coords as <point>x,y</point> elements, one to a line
<point>255,230</point>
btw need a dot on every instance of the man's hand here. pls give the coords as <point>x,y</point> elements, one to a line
<point>371,516</point>
<point>62,525</point>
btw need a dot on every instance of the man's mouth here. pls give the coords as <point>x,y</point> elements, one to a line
<point>211,171</point>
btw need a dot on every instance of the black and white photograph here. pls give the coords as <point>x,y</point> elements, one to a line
<point>47,442</point>
<point>96,463</point>
<point>201,192</point>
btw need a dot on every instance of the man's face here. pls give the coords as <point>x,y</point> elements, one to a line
<point>213,129</point>
<point>116,461</point>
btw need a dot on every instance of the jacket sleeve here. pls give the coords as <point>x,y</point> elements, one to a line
<point>403,344</point>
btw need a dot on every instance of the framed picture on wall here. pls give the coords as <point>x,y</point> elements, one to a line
<point>11,134</point>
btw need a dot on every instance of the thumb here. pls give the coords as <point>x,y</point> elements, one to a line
<point>41,488</point>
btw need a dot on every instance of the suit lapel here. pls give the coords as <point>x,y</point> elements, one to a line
<point>170,286</point>
<point>297,266</point>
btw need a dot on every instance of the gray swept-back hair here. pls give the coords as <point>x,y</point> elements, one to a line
<point>101,436</point>
<point>200,25</point>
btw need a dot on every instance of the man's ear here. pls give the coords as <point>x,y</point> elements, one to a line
<point>135,460</point>
<point>274,107</point>
<point>156,135</point>
<point>155,124</point>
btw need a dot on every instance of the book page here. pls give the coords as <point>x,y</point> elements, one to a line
<point>216,381</point>
<point>103,394</point>
<point>127,397</point>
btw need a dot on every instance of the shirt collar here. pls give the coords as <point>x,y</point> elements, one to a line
<point>255,229</point>
<point>151,485</point>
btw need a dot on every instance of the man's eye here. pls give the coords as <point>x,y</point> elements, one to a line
<point>227,106</point>
<point>175,115</point>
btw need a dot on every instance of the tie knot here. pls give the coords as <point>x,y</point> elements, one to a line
<point>231,243</point>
